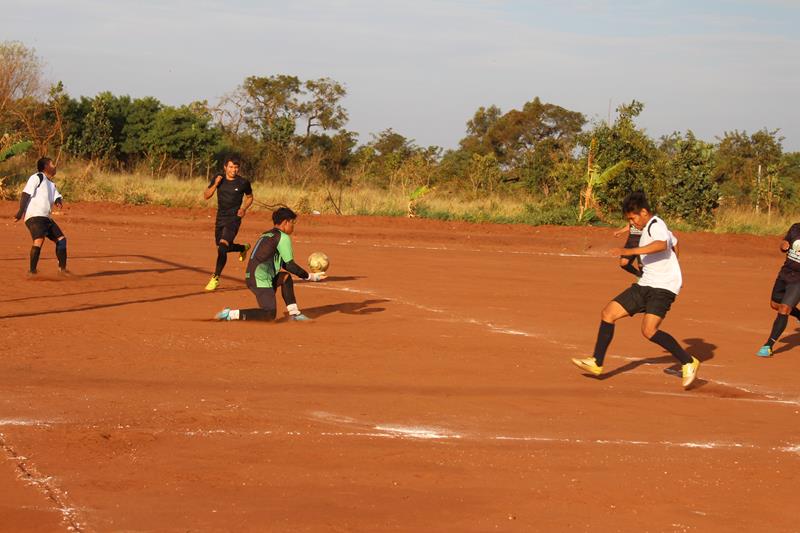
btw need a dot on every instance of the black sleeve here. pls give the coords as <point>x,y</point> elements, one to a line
<point>248,189</point>
<point>295,269</point>
<point>24,200</point>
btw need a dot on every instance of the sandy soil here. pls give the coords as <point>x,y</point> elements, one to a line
<point>432,392</point>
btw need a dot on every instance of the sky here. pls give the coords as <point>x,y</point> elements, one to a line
<point>423,67</point>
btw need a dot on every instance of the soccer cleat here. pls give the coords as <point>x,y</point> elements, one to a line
<point>225,314</point>
<point>764,351</point>
<point>213,283</point>
<point>689,372</point>
<point>243,253</point>
<point>589,365</point>
<point>299,318</point>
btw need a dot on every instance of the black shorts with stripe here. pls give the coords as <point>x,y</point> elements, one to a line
<point>41,227</point>
<point>786,293</point>
<point>227,230</point>
<point>641,299</point>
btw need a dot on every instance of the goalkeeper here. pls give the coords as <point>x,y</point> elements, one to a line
<point>270,265</point>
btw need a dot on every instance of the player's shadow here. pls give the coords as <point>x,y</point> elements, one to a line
<point>348,308</point>
<point>788,342</point>
<point>104,273</point>
<point>342,278</point>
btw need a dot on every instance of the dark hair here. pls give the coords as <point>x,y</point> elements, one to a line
<point>232,159</point>
<point>281,214</point>
<point>42,163</point>
<point>635,202</point>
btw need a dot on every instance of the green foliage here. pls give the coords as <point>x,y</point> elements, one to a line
<point>15,150</point>
<point>690,191</point>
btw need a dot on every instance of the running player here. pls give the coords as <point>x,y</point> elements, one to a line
<point>652,295</point>
<point>269,267</point>
<point>630,263</point>
<point>35,204</point>
<point>231,188</point>
<point>786,290</point>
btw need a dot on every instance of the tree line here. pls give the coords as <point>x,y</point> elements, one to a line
<point>295,131</point>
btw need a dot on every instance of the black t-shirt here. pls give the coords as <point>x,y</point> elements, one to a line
<point>229,196</point>
<point>790,271</point>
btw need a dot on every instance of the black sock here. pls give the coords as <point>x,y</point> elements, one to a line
<point>287,291</point>
<point>604,336</point>
<point>256,314</point>
<point>35,251</point>
<point>777,329</point>
<point>795,313</point>
<point>235,248</point>
<point>632,269</point>
<point>668,342</point>
<point>222,258</point>
<point>61,254</point>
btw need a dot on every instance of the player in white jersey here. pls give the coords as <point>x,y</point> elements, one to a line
<point>652,294</point>
<point>35,204</point>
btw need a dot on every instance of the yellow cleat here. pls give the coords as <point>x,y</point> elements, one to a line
<point>589,365</point>
<point>213,283</point>
<point>689,372</point>
<point>243,253</point>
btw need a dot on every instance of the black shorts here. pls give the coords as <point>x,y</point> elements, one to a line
<point>44,227</point>
<point>265,296</point>
<point>640,299</point>
<point>632,242</point>
<point>227,230</point>
<point>786,293</point>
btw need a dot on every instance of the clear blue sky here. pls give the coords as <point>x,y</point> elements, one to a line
<point>423,67</point>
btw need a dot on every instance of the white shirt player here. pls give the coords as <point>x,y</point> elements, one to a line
<point>661,270</point>
<point>43,195</point>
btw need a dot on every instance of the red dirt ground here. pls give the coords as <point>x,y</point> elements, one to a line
<point>432,392</point>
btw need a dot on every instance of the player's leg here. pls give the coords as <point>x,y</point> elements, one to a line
<point>285,282</point>
<point>57,236</point>
<point>784,298</point>
<point>785,305</point>
<point>658,303</point>
<point>265,311</point>
<point>38,230</point>
<point>625,304</point>
<point>628,263</point>
<point>222,257</point>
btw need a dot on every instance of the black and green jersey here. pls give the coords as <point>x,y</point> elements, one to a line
<point>272,251</point>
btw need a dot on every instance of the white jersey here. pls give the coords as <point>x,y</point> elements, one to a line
<point>43,195</point>
<point>660,270</point>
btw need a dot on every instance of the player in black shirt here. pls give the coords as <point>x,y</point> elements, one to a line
<point>231,189</point>
<point>786,291</point>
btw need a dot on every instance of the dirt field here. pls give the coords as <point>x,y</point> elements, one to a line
<point>432,392</point>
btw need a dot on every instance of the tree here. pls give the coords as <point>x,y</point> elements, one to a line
<point>690,191</point>
<point>20,75</point>
<point>322,109</point>
<point>738,157</point>
<point>183,134</point>
<point>95,140</point>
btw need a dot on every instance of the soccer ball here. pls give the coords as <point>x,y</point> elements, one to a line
<point>318,262</point>
<point>796,245</point>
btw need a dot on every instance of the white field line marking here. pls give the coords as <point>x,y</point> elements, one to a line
<point>23,422</point>
<point>28,473</point>
<point>418,432</point>
<point>795,448</point>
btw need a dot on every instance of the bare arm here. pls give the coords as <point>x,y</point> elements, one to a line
<point>248,201</point>
<point>211,189</point>
<point>652,248</point>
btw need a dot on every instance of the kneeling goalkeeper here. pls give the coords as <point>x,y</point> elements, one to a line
<point>270,265</point>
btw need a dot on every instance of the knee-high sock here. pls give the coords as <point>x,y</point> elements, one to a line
<point>668,342</point>
<point>778,328</point>
<point>235,248</point>
<point>35,251</point>
<point>222,258</point>
<point>630,267</point>
<point>604,336</point>
<point>795,313</point>
<point>61,253</point>
<point>287,291</point>
<point>256,314</point>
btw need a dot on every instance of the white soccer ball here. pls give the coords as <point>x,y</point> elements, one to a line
<point>796,246</point>
<point>318,262</point>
